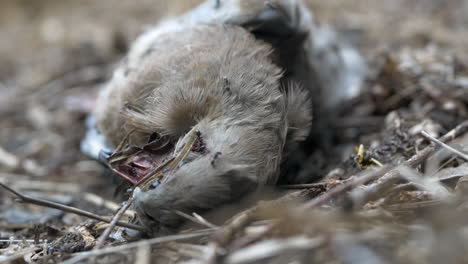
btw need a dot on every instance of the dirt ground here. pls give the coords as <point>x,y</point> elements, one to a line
<point>56,54</point>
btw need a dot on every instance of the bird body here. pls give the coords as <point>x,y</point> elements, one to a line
<point>236,75</point>
<point>223,81</point>
<point>220,81</point>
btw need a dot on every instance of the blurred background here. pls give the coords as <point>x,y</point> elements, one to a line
<point>55,54</point>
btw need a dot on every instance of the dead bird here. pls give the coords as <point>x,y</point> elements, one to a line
<point>205,106</point>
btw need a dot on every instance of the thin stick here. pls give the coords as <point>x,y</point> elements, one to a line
<point>195,219</point>
<point>371,191</point>
<point>123,142</point>
<point>345,187</point>
<point>385,180</point>
<point>16,182</point>
<point>19,240</point>
<point>143,255</point>
<point>19,255</point>
<point>99,201</point>
<point>115,219</point>
<point>225,234</point>
<point>157,170</point>
<point>301,186</point>
<point>84,255</point>
<point>177,157</point>
<point>27,199</point>
<point>442,144</point>
<point>248,240</point>
<point>203,220</point>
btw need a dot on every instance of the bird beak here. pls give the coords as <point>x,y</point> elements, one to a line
<point>146,167</point>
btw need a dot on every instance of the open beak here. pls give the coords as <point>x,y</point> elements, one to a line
<point>147,167</point>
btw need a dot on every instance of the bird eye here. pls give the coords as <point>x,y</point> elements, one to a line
<point>153,137</point>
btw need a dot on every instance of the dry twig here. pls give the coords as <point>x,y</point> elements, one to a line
<point>84,255</point>
<point>19,255</point>
<point>369,192</point>
<point>196,219</point>
<point>352,182</point>
<point>273,247</point>
<point>204,221</point>
<point>442,144</point>
<point>302,186</point>
<point>223,238</point>
<point>115,219</point>
<point>99,201</point>
<point>27,199</point>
